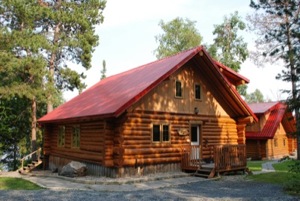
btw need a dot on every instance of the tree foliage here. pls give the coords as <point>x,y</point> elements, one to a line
<point>178,35</point>
<point>277,23</point>
<point>229,48</point>
<point>69,29</point>
<point>14,129</point>
<point>38,41</point>
<point>255,97</point>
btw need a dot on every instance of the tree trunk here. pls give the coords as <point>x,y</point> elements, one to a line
<point>33,126</point>
<point>293,72</point>
<point>52,68</point>
<point>298,133</point>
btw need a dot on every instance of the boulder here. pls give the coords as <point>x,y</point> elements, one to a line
<point>74,169</point>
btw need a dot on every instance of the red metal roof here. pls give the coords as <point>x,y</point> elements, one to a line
<point>112,96</point>
<point>277,111</point>
<point>234,77</point>
<point>261,108</point>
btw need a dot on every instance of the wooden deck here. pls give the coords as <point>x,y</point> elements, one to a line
<point>226,158</point>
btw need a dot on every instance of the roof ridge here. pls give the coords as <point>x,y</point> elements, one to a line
<point>155,61</point>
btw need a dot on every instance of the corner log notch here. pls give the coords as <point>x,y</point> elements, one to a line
<point>241,128</point>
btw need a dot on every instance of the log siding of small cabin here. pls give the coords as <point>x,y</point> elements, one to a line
<point>267,140</point>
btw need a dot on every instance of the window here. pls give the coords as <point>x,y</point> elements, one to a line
<point>76,137</point>
<point>160,133</point>
<point>195,134</point>
<point>178,89</point>
<point>275,143</point>
<point>284,142</point>
<point>165,133</point>
<point>61,136</point>
<point>197,92</point>
<point>156,133</point>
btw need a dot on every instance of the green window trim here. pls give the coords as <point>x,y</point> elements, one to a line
<point>76,136</point>
<point>61,136</point>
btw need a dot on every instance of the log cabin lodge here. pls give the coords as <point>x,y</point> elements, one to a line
<point>174,114</point>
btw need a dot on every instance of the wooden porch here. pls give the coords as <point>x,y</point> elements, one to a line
<point>225,158</point>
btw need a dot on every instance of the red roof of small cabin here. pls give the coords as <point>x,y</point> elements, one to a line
<point>113,95</point>
<point>278,113</point>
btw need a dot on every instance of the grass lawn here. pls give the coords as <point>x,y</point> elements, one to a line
<point>283,166</point>
<point>281,176</point>
<point>255,165</point>
<point>8,183</point>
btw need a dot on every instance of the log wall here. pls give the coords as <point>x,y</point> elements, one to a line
<point>276,150</point>
<point>256,149</point>
<point>93,139</point>
<point>138,149</point>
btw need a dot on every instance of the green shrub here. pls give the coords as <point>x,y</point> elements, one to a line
<point>292,186</point>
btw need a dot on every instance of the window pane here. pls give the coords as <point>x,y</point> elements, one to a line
<point>61,136</point>
<point>76,136</point>
<point>197,91</point>
<point>178,89</point>
<point>156,133</point>
<point>165,133</point>
<point>194,134</point>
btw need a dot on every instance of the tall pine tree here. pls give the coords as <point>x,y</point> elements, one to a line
<point>70,30</point>
<point>22,66</point>
<point>278,23</point>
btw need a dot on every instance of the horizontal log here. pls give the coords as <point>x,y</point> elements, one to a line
<point>150,151</point>
<point>156,155</point>
<point>147,161</point>
<point>108,163</point>
<point>136,132</point>
<point>92,148</point>
<point>91,156</point>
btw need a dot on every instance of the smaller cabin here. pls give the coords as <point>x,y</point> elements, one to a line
<point>272,136</point>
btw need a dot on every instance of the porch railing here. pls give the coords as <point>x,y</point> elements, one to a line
<point>226,157</point>
<point>36,154</point>
<point>191,157</point>
<point>230,157</point>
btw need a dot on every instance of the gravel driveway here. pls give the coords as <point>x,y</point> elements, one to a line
<point>227,188</point>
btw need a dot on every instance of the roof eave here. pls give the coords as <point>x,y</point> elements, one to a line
<point>75,119</point>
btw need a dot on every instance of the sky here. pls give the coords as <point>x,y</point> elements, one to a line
<point>127,38</point>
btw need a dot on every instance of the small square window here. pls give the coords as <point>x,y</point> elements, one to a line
<point>197,92</point>
<point>76,137</point>
<point>178,89</point>
<point>61,136</point>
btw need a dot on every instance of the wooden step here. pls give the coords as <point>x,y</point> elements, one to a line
<point>30,167</point>
<point>205,172</point>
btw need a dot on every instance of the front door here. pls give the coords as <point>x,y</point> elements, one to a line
<point>195,141</point>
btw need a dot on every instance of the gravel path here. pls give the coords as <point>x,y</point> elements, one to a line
<point>227,188</point>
